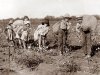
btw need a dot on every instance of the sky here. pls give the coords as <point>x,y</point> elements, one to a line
<point>42,8</point>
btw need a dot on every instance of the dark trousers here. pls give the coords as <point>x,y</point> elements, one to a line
<point>62,40</point>
<point>87,44</point>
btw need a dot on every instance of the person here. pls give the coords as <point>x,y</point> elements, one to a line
<point>62,33</point>
<point>24,37</point>
<point>78,26</point>
<point>25,31</point>
<point>42,29</point>
<point>26,21</point>
<point>9,31</point>
<point>23,23</point>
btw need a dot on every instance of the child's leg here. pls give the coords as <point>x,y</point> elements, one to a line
<point>24,44</point>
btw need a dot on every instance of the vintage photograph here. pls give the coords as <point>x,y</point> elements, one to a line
<point>49,37</point>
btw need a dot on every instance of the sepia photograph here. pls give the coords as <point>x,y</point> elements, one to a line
<point>49,37</point>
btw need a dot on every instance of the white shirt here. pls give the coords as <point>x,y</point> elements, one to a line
<point>26,22</point>
<point>42,29</point>
<point>63,24</point>
<point>24,35</point>
<point>77,27</point>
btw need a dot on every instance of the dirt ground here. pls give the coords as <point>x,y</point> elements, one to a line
<point>46,63</point>
<point>49,62</point>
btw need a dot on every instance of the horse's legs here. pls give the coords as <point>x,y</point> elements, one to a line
<point>85,44</point>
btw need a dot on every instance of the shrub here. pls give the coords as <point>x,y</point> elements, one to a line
<point>29,60</point>
<point>70,67</point>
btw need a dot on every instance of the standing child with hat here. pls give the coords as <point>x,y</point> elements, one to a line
<point>42,30</point>
<point>62,34</point>
<point>26,21</point>
<point>9,31</point>
<point>25,31</point>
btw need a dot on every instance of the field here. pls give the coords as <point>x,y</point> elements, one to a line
<point>32,62</point>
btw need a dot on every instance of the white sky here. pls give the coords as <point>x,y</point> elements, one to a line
<point>41,8</point>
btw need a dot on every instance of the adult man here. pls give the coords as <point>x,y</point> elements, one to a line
<point>62,33</point>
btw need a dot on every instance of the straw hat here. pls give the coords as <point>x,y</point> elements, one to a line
<point>66,16</point>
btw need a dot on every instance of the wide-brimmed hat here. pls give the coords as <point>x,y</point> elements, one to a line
<point>67,16</point>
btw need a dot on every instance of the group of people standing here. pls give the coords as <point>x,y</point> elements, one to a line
<point>62,33</point>
<point>69,33</point>
<point>18,31</point>
<point>43,29</point>
<point>22,32</point>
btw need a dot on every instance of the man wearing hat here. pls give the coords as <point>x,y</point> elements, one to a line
<point>62,34</point>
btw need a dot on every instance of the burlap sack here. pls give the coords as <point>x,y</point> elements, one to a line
<point>97,30</point>
<point>89,22</point>
<point>56,27</point>
<point>96,36</point>
<point>75,38</point>
<point>18,25</point>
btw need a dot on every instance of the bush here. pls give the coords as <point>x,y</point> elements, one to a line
<point>70,67</point>
<point>29,60</point>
